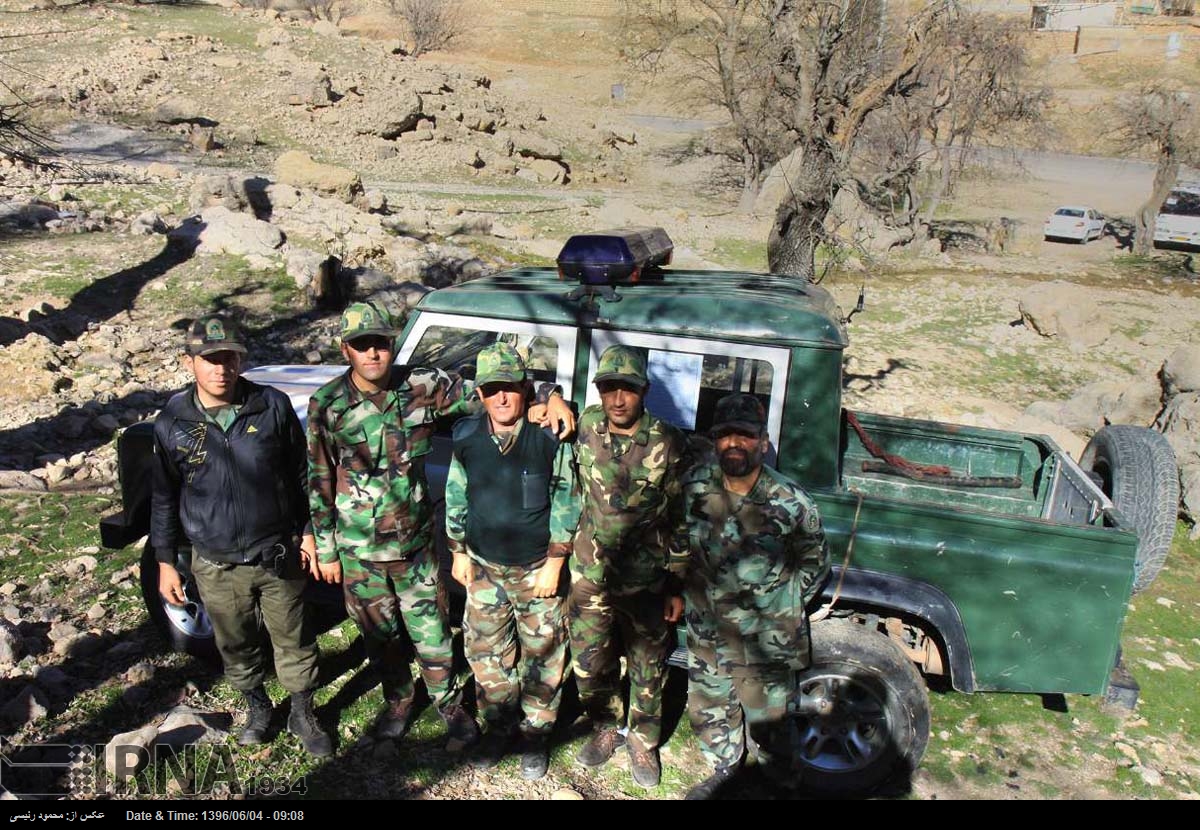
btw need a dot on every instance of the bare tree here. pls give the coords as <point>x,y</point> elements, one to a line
<point>431,24</point>
<point>1167,123</point>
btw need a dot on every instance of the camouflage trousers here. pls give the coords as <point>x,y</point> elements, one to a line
<point>516,644</point>
<point>390,599</point>
<point>234,595</point>
<point>721,706</point>
<point>600,623</point>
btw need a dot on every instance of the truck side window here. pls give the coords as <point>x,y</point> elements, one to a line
<point>454,349</point>
<point>685,387</point>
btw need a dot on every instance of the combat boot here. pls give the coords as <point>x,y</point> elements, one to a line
<point>302,722</point>
<point>535,756</point>
<point>644,765</point>
<point>461,729</point>
<point>600,747</point>
<point>711,787</point>
<point>258,717</point>
<point>394,720</point>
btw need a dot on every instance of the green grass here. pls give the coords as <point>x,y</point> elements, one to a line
<point>740,254</point>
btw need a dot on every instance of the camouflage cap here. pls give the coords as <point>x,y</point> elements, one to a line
<point>739,412</point>
<point>499,363</point>
<point>214,333</point>
<point>364,319</point>
<point>622,363</point>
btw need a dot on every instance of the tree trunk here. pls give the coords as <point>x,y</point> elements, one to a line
<point>752,177</point>
<point>1165,176</point>
<point>800,218</point>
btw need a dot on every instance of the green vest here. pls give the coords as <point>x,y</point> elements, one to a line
<point>508,495</point>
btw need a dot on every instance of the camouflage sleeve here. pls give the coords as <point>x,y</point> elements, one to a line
<point>322,485</point>
<point>678,544</point>
<point>436,392</point>
<point>809,549</point>
<point>566,502</point>
<point>456,507</point>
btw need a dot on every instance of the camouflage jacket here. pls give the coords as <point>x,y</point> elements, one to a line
<point>632,535</point>
<point>563,496</point>
<point>366,472</point>
<point>756,562</point>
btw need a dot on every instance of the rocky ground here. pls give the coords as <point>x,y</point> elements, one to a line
<point>274,168</point>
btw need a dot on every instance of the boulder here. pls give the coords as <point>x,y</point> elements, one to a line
<point>11,644</point>
<point>219,190</point>
<point>531,145</point>
<point>313,91</point>
<point>30,369</point>
<point>20,480</point>
<point>1063,309</point>
<point>1181,371</point>
<point>309,268</point>
<point>219,230</point>
<point>283,196</point>
<point>185,725</point>
<point>179,109</point>
<point>297,168</point>
<point>128,753</point>
<point>545,171</point>
<point>389,116</point>
<point>27,707</point>
<point>26,215</point>
<point>147,223</point>
<point>161,170</point>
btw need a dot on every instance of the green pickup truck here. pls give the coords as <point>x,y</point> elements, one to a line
<point>988,557</point>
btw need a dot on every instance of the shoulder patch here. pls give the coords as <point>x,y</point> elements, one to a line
<point>812,520</point>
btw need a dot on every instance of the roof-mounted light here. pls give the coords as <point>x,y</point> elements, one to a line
<point>614,257</point>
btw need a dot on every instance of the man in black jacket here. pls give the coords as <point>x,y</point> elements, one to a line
<point>230,468</point>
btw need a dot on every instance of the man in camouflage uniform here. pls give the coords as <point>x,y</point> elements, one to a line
<point>368,433</point>
<point>511,510</point>
<point>758,556</point>
<point>630,555</point>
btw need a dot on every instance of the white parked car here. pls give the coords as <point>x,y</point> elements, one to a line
<point>1074,222</point>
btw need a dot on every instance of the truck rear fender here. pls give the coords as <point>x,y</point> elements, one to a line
<point>929,611</point>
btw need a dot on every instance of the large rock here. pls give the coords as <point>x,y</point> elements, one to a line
<point>20,480</point>
<point>531,145</point>
<point>220,230</point>
<point>312,91</point>
<point>308,267</point>
<point>128,753</point>
<point>30,370</point>
<point>26,215</point>
<point>1181,371</point>
<point>11,644</point>
<point>1128,401</point>
<point>1063,309</point>
<point>390,115</point>
<point>179,109</point>
<point>297,168</point>
<point>185,725</point>
<point>543,171</point>
<point>28,706</point>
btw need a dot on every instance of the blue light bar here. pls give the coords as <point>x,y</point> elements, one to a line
<point>621,255</point>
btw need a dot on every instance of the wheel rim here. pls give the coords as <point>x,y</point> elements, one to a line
<point>840,724</point>
<point>190,619</point>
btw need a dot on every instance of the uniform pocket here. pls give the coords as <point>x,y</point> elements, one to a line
<point>535,490</point>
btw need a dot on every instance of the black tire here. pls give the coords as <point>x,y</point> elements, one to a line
<point>186,629</point>
<point>860,713</point>
<point>1135,467</point>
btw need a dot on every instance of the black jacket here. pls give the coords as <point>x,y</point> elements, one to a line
<point>231,494</point>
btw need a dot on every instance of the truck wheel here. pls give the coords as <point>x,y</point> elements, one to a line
<point>187,629</point>
<point>1135,467</point>
<point>860,712</point>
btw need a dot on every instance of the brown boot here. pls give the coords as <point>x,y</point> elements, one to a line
<point>393,721</point>
<point>644,765</point>
<point>600,747</point>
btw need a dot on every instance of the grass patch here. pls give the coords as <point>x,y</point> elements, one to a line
<point>741,254</point>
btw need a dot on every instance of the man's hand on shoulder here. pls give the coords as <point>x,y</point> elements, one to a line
<point>556,414</point>
<point>461,570</point>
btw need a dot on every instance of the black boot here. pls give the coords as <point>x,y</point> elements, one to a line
<point>302,723</point>
<point>258,717</point>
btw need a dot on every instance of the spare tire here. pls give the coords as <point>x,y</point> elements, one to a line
<point>1135,467</point>
<point>186,627</point>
